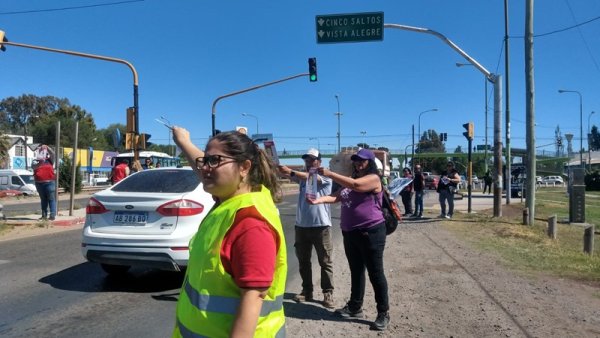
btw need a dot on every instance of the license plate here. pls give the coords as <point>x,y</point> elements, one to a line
<point>130,217</point>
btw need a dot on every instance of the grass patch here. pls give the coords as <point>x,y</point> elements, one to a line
<point>528,248</point>
<point>5,228</point>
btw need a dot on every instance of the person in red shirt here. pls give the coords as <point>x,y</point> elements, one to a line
<point>45,184</point>
<point>120,171</point>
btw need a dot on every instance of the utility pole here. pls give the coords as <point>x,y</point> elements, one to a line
<point>507,102</point>
<point>530,110</point>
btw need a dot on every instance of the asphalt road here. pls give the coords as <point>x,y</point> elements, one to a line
<point>49,290</point>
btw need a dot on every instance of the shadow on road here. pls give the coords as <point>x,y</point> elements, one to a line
<point>313,311</point>
<point>89,277</point>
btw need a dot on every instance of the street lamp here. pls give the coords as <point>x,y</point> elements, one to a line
<point>589,142</point>
<point>250,115</point>
<point>318,143</point>
<point>485,81</point>
<point>363,133</point>
<point>421,113</point>
<point>338,113</point>
<point>560,91</point>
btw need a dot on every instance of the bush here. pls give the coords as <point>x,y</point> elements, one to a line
<point>592,181</point>
<point>65,175</point>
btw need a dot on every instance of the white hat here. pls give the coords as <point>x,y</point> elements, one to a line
<point>312,152</point>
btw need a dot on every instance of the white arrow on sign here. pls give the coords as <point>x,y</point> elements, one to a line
<point>321,22</point>
<point>321,33</point>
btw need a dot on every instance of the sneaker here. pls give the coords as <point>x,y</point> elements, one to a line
<point>52,218</point>
<point>382,321</point>
<point>442,216</point>
<point>328,300</point>
<point>303,296</point>
<point>448,216</point>
<point>419,216</point>
<point>347,313</point>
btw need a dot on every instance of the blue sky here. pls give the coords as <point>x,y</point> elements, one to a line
<point>188,53</point>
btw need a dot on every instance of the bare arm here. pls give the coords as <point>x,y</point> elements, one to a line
<point>298,175</point>
<point>182,139</point>
<point>246,318</point>
<point>366,183</point>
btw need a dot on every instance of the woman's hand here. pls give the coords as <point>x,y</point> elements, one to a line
<point>180,135</point>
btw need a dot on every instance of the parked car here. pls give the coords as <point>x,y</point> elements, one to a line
<point>19,180</point>
<point>147,219</point>
<point>538,179</point>
<point>431,181</point>
<point>552,180</point>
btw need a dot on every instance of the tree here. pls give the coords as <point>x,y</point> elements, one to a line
<point>66,173</point>
<point>4,146</point>
<point>18,112</point>
<point>430,143</point>
<point>595,139</point>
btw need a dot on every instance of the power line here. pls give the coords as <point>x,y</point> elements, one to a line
<point>560,30</point>
<point>69,8</point>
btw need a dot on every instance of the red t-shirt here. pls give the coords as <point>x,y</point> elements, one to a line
<point>44,172</point>
<point>249,250</point>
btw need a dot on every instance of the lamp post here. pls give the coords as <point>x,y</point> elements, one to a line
<point>256,118</point>
<point>318,143</point>
<point>485,82</point>
<point>339,113</point>
<point>421,113</point>
<point>560,91</point>
<point>590,143</point>
<point>363,133</point>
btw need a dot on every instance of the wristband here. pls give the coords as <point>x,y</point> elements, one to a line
<point>292,174</point>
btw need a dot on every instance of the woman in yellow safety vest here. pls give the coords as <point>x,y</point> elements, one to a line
<point>236,273</point>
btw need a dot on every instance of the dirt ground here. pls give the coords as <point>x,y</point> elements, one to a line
<point>440,287</point>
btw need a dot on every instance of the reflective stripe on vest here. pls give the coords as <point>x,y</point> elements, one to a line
<point>186,333</point>
<point>226,305</point>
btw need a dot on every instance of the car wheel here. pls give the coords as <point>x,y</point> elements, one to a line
<point>115,269</point>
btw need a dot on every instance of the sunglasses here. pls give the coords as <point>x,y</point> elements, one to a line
<point>212,161</point>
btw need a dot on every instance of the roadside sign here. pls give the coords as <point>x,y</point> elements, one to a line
<point>356,27</point>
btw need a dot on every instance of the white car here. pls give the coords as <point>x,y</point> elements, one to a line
<point>552,180</point>
<point>147,220</point>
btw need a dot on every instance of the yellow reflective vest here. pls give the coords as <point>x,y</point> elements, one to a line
<point>209,297</point>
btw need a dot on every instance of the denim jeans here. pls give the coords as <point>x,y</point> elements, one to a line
<point>320,238</point>
<point>407,201</point>
<point>446,195</point>
<point>47,192</point>
<point>364,249</point>
<point>419,202</point>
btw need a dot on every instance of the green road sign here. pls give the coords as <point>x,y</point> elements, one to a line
<point>357,27</point>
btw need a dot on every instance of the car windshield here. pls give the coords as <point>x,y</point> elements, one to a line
<point>160,181</point>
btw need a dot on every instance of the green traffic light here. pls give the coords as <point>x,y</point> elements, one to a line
<point>313,78</point>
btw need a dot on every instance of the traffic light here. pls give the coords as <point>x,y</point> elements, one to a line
<point>142,141</point>
<point>443,137</point>
<point>130,120</point>
<point>312,69</point>
<point>470,133</point>
<point>130,141</point>
<point>3,39</point>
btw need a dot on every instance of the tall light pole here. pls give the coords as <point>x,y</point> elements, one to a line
<point>580,122</point>
<point>318,143</point>
<point>256,118</point>
<point>363,133</point>
<point>421,113</point>
<point>485,82</point>
<point>338,113</point>
<point>589,142</point>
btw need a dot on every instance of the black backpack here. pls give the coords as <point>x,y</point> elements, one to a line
<point>391,213</point>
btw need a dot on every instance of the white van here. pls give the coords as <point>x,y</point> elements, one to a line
<point>18,179</point>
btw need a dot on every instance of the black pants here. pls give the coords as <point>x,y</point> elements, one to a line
<point>364,249</point>
<point>407,201</point>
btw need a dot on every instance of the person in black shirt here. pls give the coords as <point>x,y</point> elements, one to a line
<point>418,186</point>
<point>449,180</point>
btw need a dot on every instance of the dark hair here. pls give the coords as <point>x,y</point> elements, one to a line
<point>242,148</point>
<point>407,169</point>
<point>371,169</point>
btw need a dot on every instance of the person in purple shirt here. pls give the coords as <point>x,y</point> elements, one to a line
<point>363,229</point>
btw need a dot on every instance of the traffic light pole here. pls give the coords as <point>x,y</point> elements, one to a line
<point>97,57</point>
<point>214,105</point>
<point>469,175</point>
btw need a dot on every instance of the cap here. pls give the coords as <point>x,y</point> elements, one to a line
<point>312,152</point>
<point>363,154</point>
